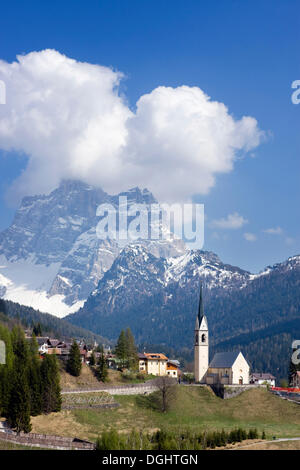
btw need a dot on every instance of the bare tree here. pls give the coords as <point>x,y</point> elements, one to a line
<point>167,390</point>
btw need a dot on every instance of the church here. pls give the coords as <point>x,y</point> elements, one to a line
<point>228,368</point>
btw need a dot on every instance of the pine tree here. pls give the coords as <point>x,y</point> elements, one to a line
<point>6,370</point>
<point>18,413</point>
<point>92,359</point>
<point>131,350</point>
<point>121,349</point>
<point>33,346</point>
<point>35,386</point>
<point>37,329</point>
<point>74,363</point>
<point>19,406</point>
<point>51,397</point>
<point>102,370</point>
<point>20,345</point>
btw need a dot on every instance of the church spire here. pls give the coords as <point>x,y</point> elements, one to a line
<point>200,310</point>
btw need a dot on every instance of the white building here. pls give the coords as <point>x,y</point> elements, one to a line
<point>262,379</point>
<point>228,368</point>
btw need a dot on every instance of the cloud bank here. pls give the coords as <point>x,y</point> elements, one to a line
<point>71,121</point>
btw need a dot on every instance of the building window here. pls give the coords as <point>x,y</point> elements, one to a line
<point>203,338</point>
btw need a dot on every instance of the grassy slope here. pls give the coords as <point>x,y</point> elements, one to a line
<point>194,407</point>
<point>289,445</point>
<point>87,379</point>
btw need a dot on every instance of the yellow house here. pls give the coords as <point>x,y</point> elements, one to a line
<point>153,363</point>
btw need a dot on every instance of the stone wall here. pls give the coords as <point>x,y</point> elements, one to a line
<point>230,391</point>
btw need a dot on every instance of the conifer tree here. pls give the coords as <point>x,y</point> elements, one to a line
<point>131,350</point>
<point>6,370</point>
<point>51,397</point>
<point>33,346</point>
<point>121,349</point>
<point>102,370</point>
<point>37,329</point>
<point>18,413</point>
<point>35,386</point>
<point>92,359</point>
<point>20,345</point>
<point>19,406</point>
<point>74,363</point>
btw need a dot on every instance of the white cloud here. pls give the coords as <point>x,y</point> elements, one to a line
<point>274,231</point>
<point>250,237</point>
<point>70,120</point>
<point>231,222</point>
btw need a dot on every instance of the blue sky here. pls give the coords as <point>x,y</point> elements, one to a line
<point>241,53</point>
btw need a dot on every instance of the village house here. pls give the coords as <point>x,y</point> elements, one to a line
<point>295,383</point>
<point>262,379</point>
<point>43,344</point>
<point>158,364</point>
<point>48,345</point>
<point>172,370</point>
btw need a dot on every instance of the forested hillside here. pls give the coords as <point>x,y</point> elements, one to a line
<point>11,313</point>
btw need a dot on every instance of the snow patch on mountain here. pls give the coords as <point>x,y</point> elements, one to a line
<point>40,300</point>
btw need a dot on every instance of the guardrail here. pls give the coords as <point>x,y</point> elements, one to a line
<point>286,389</point>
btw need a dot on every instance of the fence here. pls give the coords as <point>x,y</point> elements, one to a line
<point>46,441</point>
<point>133,389</point>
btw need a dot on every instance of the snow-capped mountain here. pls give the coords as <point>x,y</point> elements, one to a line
<point>138,278</point>
<point>51,258</point>
<point>158,297</point>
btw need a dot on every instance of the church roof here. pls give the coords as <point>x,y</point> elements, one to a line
<point>200,315</point>
<point>224,359</point>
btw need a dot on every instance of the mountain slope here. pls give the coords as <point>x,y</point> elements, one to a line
<point>158,299</point>
<point>51,325</point>
<point>50,257</point>
<point>148,291</point>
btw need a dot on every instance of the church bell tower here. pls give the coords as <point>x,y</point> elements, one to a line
<point>201,343</point>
